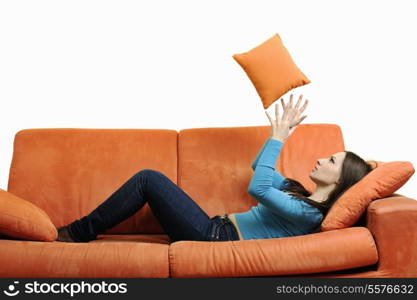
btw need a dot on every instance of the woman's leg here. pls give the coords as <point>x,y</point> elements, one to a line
<point>178,214</point>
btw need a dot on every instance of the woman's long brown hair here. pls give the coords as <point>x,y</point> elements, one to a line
<point>354,168</point>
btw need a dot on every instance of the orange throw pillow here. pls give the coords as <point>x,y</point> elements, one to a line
<point>24,220</point>
<point>382,181</point>
<point>271,69</point>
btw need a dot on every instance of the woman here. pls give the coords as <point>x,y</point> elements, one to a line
<point>285,207</point>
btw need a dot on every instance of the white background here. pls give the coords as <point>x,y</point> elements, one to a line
<point>168,65</point>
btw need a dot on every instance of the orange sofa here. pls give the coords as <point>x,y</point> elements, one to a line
<point>69,171</point>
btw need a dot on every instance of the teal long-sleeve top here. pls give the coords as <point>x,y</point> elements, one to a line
<point>277,214</point>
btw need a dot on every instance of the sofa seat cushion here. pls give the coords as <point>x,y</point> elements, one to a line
<point>312,253</point>
<point>142,238</point>
<point>114,256</point>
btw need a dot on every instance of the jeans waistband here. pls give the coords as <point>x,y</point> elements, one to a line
<point>224,220</point>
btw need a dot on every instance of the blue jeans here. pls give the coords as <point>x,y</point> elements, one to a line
<point>178,214</point>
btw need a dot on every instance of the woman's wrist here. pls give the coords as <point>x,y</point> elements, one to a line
<point>278,138</point>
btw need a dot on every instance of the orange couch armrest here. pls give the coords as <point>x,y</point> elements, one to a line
<point>393,223</point>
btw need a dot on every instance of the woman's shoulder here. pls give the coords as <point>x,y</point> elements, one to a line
<point>309,208</point>
<point>306,206</point>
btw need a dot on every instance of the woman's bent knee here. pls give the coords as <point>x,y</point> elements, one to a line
<point>148,172</point>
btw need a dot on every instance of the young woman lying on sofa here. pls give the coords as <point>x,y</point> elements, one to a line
<point>285,207</point>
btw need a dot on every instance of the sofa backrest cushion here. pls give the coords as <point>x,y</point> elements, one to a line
<point>69,172</point>
<point>302,149</point>
<point>214,164</point>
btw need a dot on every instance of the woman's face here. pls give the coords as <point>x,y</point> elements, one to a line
<point>327,170</point>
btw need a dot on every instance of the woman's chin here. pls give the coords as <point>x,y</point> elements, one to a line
<point>311,175</point>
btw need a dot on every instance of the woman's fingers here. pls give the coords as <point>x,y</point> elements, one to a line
<point>276,112</point>
<point>302,118</point>
<point>304,106</point>
<point>290,108</point>
<point>268,117</point>
<point>298,122</point>
<point>284,109</point>
<point>298,102</point>
<point>292,113</point>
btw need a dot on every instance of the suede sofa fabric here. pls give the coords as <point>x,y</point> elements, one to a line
<point>68,172</point>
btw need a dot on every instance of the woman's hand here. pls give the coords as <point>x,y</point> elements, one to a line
<point>282,128</point>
